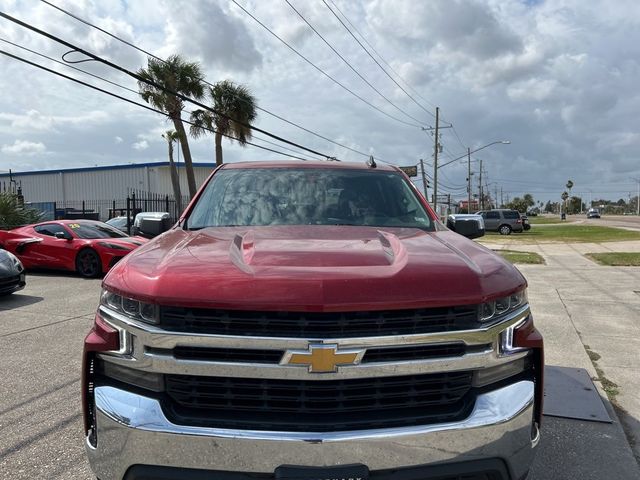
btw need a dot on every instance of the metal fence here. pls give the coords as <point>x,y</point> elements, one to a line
<point>137,201</point>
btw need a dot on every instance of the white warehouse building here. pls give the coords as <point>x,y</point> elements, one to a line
<point>113,182</point>
<point>101,192</point>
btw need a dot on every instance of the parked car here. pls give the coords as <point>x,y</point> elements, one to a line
<point>85,246</point>
<point>12,276</point>
<point>469,225</point>
<point>502,220</point>
<point>150,224</point>
<point>118,222</point>
<point>312,320</point>
<point>593,213</point>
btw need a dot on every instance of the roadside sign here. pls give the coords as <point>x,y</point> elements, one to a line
<point>410,171</point>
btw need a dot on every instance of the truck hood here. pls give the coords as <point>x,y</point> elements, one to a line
<point>313,268</point>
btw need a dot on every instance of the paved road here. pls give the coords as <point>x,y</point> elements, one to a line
<point>582,306</point>
<point>41,332</point>
<point>625,221</point>
<point>622,221</point>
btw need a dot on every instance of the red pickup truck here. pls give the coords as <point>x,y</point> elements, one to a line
<point>312,321</point>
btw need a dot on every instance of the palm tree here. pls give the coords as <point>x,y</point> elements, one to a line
<point>14,214</point>
<point>235,110</point>
<point>171,136</point>
<point>569,187</point>
<point>176,75</point>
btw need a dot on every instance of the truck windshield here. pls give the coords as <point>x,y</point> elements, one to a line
<point>308,196</point>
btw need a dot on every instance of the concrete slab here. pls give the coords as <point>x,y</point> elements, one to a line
<point>613,352</point>
<point>66,295</point>
<point>16,321</point>
<point>602,305</point>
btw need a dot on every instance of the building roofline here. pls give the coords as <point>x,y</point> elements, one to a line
<point>105,167</point>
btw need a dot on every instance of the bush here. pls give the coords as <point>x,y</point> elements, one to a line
<point>14,214</point>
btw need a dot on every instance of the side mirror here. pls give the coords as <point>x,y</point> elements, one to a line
<point>152,227</point>
<point>62,236</point>
<point>470,226</point>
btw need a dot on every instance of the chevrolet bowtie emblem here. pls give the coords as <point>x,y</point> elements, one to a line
<point>322,358</point>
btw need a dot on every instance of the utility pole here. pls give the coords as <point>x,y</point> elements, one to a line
<point>638,197</point>
<point>424,179</point>
<point>435,162</point>
<point>501,198</point>
<point>468,180</point>
<point>496,197</point>
<point>480,201</point>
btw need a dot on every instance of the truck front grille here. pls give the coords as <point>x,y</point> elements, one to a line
<point>319,325</point>
<point>318,405</point>
<point>372,355</point>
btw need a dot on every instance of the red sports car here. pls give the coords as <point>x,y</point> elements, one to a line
<point>88,247</point>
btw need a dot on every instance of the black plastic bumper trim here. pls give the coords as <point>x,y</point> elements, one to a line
<point>486,469</point>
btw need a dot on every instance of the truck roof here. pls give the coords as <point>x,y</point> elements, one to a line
<point>310,164</point>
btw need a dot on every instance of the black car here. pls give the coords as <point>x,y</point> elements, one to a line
<point>12,276</point>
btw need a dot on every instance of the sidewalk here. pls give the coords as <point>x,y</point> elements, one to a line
<point>584,309</point>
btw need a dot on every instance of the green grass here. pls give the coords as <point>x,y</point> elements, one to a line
<point>617,259</point>
<point>521,257</point>
<point>567,233</point>
<point>547,220</point>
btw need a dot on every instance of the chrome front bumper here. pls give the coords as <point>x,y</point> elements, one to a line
<point>133,430</point>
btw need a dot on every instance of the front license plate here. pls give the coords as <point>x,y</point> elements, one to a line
<point>342,472</point>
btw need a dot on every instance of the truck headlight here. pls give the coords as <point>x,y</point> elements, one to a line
<point>130,307</point>
<point>501,306</point>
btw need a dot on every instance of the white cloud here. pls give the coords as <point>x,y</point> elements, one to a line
<point>118,139</point>
<point>220,40</point>
<point>558,79</point>
<point>141,145</point>
<point>24,147</point>
<point>33,120</point>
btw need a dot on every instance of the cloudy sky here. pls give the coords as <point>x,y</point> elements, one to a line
<point>559,79</point>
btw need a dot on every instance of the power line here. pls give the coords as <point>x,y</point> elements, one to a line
<point>123,87</point>
<point>146,107</point>
<point>380,56</point>
<point>182,97</point>
<point>268,112</point>
<point>374,59</point>
<point>68,66</point>
<point>455,132</point>
<point>319,69</point>
<point>351,66</point>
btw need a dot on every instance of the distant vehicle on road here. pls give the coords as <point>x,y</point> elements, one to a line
<point>12,276</point>
<point>502,220</point>
<point>85,246</point>
<point>593,213</point>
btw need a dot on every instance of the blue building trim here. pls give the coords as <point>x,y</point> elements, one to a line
<point>97,169</point>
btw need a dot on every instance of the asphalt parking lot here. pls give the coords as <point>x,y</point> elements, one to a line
<point>42,328</point>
